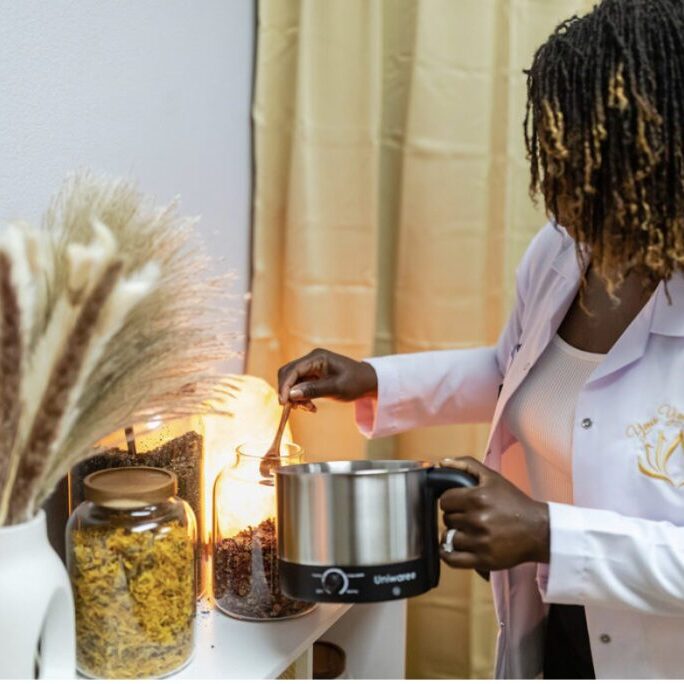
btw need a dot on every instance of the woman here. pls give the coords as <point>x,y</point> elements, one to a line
<point>579,510</point>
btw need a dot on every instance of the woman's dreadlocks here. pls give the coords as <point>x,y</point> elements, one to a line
<point>604,132</point>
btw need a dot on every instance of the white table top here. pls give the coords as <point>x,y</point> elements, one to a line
<point>235,649</point>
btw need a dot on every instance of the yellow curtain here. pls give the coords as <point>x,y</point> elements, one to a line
<point>390,211</point>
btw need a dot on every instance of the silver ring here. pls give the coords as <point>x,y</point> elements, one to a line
<point>448,544</point>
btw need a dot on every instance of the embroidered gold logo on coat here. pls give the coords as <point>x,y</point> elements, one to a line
<point>662,445</point>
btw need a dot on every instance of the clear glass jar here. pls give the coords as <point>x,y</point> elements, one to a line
<point>175,445</point>
<point>246,583</point>
<point>131,558</point>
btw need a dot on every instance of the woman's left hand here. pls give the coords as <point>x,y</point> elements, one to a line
<point>497,525</point>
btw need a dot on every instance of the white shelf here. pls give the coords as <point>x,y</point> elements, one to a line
<point>234,649</point>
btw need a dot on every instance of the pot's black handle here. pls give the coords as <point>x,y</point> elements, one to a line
<point>442,479</point>
<point>439,480</point>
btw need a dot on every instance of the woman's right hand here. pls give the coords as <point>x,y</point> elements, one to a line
<point>322,373</point>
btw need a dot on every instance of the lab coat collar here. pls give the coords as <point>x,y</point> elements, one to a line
<point>668,318</point>
<point>631,345</point>
<point>566,263</point>
<point>659,316</point>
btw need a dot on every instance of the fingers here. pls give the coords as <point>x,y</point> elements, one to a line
<point>460,559</point>
<point>462,548</point>
<point>448,540</point>
<point>469,465</point>
<point>457,521</point>
<point>311,366</point>
<point>460,500</point>
<point>288,376</point>
<point>323,373</point>
<point>467,498</point>
<point>458,550</point>
<point>313,389</point>
<point>454,539</point>
<point>308,406</point>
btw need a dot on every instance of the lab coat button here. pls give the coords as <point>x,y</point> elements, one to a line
<point>605,638</point>
<point>587,423</point>
<point>526,367</point>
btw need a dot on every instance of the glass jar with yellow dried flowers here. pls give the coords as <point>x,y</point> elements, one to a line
<point>246,582</point>
<point>131,558</point>
<point>175,445</point>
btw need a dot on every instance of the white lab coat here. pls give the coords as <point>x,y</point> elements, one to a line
<point>619,550</point>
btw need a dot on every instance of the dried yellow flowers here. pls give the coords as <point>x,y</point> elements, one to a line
<point>135,600</point>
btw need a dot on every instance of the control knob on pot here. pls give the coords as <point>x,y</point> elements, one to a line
<point>334,581</point>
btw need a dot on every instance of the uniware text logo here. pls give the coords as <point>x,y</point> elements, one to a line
<point>393,579</point>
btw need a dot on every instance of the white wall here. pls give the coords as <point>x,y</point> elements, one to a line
<point>158,90</point>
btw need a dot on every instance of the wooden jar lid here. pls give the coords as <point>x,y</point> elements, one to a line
<point>142,485</point>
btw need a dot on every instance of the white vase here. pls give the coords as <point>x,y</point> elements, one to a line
<point>37,630</point>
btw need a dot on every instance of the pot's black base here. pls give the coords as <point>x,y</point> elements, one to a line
<point>355,584</point>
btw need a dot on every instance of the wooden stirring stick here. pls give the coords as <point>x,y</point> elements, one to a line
<point>271,459</point>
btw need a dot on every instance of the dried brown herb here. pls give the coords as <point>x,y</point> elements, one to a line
<point>135,600</point>
<point>246,580</point>
<point>182,456</point>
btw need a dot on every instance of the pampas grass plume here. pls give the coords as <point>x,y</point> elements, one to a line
<point>108,316</point>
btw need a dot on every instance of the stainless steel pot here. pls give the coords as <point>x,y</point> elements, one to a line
<point>354,531</point>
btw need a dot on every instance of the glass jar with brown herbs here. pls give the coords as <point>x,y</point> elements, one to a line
<point>246,582</point>
<point>131,557</point>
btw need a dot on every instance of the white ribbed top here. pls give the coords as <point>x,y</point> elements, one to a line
<point>541,414</point>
